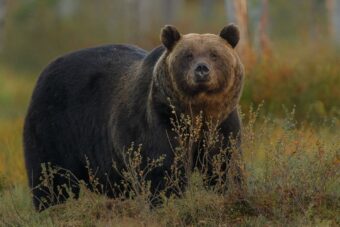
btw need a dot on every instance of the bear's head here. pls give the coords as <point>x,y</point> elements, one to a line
<point>202,71</point>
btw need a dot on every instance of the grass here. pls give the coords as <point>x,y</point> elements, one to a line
<point>15,91</point>
<point>308,79</point>
<point>291,156</point>
<point>292,176</point>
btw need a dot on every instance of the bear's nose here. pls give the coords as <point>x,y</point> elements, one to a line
<point>202,72</point>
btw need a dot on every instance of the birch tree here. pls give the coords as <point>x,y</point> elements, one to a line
<point>333,13</point>
<point>237,12</point>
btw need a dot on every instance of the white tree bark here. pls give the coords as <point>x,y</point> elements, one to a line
<point>230,11</point>
<point>237,12</point>
<point>333,13</point>
<point>67,8</point>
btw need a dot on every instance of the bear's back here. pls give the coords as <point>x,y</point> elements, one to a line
<point>71,102</point>
<point>78,77</point>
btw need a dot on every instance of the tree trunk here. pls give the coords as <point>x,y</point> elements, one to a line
<point>170,9</point>
<point>263,27</point>
<point>237,13</point>
<point>66,8</point>
<point>145,14</point>
<point>333,14</point>
<point>207,9</point>
<point>131,20</point>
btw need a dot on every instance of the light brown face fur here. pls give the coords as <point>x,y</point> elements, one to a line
<point>220,95</point>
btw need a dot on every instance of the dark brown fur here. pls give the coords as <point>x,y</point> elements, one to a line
<point>90,105</point>
<point>221,95</point>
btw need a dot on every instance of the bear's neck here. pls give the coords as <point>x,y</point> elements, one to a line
<point>158,108</point>
<point>164,99</point>
<point>164,103</point>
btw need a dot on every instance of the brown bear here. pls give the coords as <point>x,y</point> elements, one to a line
<point>90,105</point>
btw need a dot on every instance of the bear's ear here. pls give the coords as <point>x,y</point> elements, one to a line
<point>231,33</point>
<point>169,36</point>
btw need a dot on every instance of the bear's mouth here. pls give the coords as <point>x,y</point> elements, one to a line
<point>200,89</point>
<point>192,89</point>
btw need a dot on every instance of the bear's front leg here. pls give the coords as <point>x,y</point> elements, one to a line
<point>221,164</point>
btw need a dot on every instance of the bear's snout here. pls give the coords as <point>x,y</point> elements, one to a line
<point>201,73</point>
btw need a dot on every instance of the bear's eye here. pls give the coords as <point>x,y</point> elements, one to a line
<point>189,56</point>
<point>213,56</point>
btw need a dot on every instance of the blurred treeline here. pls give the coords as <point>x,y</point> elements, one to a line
<point>32,32</point>
<point>290,48</point>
